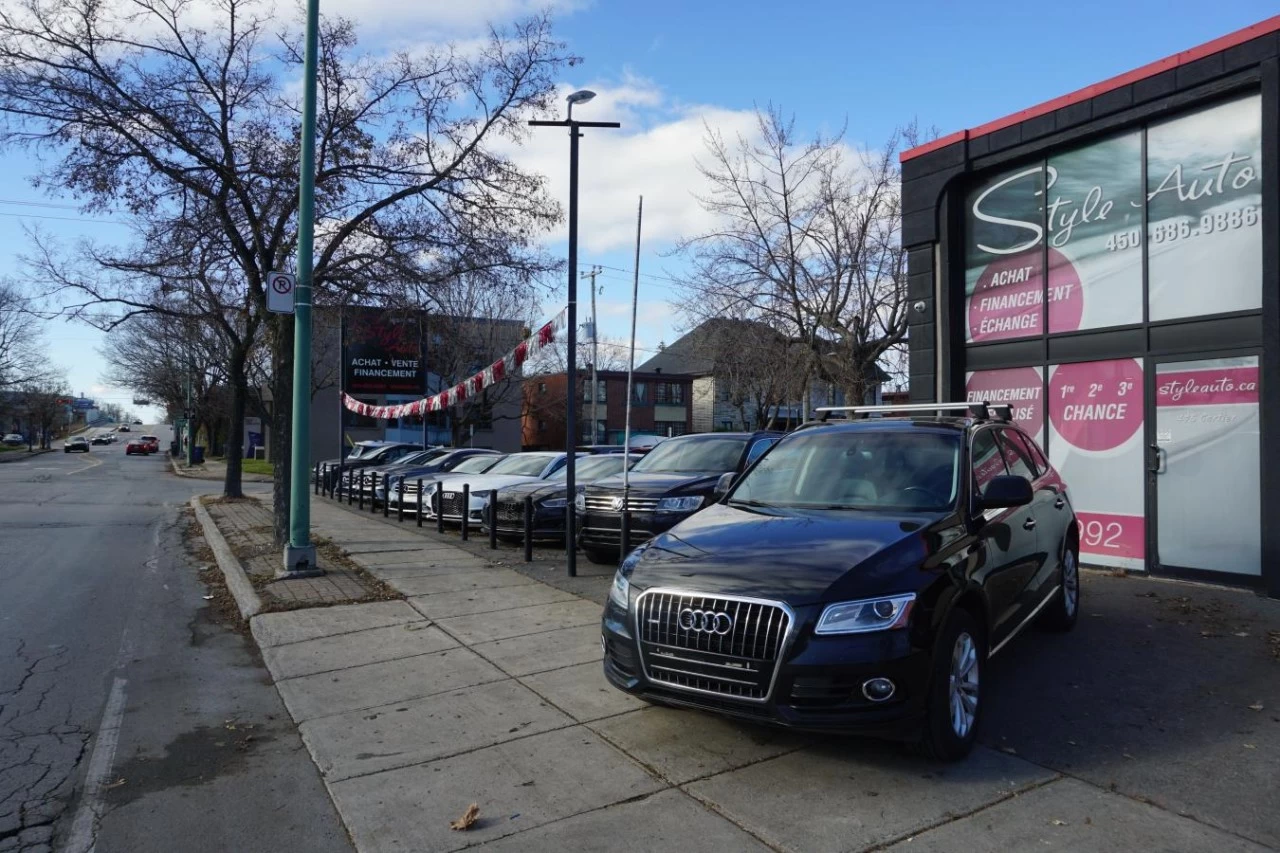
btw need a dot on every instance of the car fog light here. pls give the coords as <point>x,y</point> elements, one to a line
<point>878,689</point>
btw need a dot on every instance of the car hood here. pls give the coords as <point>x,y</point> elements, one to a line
<point>797,556</point>
<point>658,483</point>
<point>536,489</point>
<point>484,482</point>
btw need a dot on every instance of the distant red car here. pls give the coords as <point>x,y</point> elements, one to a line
<point>138,446</point>
<point>152,442</point>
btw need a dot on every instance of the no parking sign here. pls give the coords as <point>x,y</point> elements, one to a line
<point>280,292</point>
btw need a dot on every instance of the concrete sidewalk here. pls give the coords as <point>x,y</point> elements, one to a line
<point>484,686</point>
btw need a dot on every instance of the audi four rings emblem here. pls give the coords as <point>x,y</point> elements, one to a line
<point>705,621</point>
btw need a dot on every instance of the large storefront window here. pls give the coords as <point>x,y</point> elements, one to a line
<point>1204,190</point>
<point>1095,235</point>
<point>1095,442</point>
<point>1004,257</point>
<point>1022,388</point>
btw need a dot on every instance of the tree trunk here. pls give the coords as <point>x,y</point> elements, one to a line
<point>281,424</point>
<point>232,487</point>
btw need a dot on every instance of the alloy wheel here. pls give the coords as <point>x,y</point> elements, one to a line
<point>963,685</point>
<point>1070,582</point>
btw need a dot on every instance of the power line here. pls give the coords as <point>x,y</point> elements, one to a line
<point>63,218</point>
<point>21,203</point>
<point>642,275</point>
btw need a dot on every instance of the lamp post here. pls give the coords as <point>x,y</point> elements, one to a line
<point>299,553</point>
<point>571,421</point>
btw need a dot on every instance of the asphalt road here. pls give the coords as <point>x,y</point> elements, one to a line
<point>130,719</point>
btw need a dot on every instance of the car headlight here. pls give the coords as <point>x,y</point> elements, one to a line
<point>619,591</point>
<point>556,503</point>
<point>580,501</point>
<point>687,503</point>
<point>871,614</point>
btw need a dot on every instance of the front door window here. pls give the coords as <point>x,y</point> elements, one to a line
<point>1207,449</point>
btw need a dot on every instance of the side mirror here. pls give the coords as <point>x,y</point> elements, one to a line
<point>724,484</point>
<point>1007,491</point>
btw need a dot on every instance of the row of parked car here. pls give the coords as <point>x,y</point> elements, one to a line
<point>667,482</point>
<point>853,575</point>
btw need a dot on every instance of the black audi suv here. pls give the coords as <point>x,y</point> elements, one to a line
<point>672,482</point>
<point>856,578</point>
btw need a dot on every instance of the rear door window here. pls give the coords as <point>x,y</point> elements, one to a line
<point>1016,455</point>
<point>988,463</point>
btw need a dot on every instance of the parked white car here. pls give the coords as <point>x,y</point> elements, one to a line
<point>13,440</point>
<point>516,468</point>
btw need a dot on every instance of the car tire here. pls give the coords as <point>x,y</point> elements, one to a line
<point>952,720</point>
<point>600,557</point>
<point>1061,613</point>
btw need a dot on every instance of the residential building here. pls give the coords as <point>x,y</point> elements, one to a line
<point>661,404</point>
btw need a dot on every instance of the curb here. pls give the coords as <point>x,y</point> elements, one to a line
<point>237,581</point>
<point>6,458</point>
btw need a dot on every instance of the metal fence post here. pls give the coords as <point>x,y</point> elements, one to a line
<point>492,509</point>
<point>528,528</point>
<point>317,478</point>
<point>400,503</point>
<point>419,499</point>
<point>466,511</point>
<point>439,507</point>
<point>360,489</point>
<point>624,535</point>
<point>386,496</point>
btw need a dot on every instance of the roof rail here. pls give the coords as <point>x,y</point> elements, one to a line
<point>978,408</point>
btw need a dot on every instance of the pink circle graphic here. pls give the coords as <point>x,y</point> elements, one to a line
<point>1020,387</point>
<point>1008,298</point>
<point>1096,405</point>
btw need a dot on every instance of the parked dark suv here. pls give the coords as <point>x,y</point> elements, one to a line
<point>673,481</point>
<point>856,578</point>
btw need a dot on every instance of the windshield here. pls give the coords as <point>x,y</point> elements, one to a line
<point>477,464</point>
<point>420,457</point>
<point>526,464</point>
<point>360,451</point>
<point>693,455</point>
<point>856,469</point>
<point>592,468</point>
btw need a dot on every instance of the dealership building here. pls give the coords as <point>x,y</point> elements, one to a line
<point>1108,263</point>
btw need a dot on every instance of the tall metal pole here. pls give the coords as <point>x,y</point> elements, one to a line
<point>595,357</point>
<point>571,419</point>
<point>631,363</point>
<point>300,554</point>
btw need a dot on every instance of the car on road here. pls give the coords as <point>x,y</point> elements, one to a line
<point>516,468</point>
<point>123,428</point>
<point>13,440</point>
<point>549,497</point>
<point>857,578</point>
<point>468,461</point>
<point>137,423</point>
<point>136,447</point>
<point>102,438</point>
<point>77,444</point>
<point>674,480</point>
<point>152,442</point>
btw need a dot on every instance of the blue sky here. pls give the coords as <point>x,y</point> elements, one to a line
<point>664,67</point>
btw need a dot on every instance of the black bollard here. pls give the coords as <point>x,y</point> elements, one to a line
<point>386,493</point>
<point>400,504</point>
<point>360,489</point>
<point>317,478</point>
<point>528,529</point>
<point>624,535</point>
<point>466,511</point>
<point>419,499</point>
<point>439,507</point>
<point>493,521</point>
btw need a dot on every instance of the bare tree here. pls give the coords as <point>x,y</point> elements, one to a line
<point>23,359</point>
<point>757,370</point>
<point>807,243</point>
<point>45,406</point>
<point>183,120</point>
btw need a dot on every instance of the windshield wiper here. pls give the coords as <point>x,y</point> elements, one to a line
<point>746,502</point>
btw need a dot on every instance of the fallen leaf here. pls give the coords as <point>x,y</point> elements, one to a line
<point>115,784</point>
<point>208,598</point>
<point>1126,755</point>
<point>1073,743</point>
<point>1256,706</point>
<point>1009,750</point>
<point>467,820</point>
<point>1057,822</point>
<point>1249,746</point>
<point>1242,633</point>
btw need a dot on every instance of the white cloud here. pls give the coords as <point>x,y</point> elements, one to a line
<point>652,154</point>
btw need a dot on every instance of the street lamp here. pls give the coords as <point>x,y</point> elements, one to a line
<point>571,421</point>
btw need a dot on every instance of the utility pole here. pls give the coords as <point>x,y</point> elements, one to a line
<point>595,355</point>
<point>299,553</point>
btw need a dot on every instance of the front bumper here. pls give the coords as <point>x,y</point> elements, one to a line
<point>817,686</point>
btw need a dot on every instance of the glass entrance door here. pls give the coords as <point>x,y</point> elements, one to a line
<point>1204,465</point>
